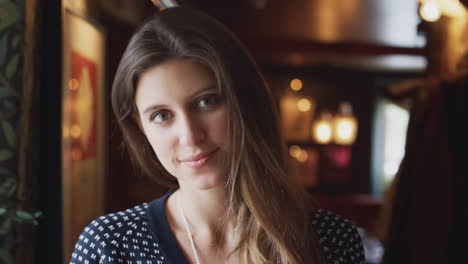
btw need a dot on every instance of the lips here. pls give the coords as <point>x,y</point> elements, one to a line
<point>199,160</point>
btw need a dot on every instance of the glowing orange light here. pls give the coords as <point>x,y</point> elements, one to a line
<point>345,125</point>
<point>303,105</point>
<point>73,84</point>
<point>296,84</point>
<point>294,151</point>
<point>303,156</point>
<point>75,131</point>
<point>345,130</point>
<point>66,131</point>
<point>322,129</point>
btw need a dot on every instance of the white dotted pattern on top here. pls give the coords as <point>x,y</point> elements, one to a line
<point>124,237</point>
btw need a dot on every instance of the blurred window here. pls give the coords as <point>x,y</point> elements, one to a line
<point>389,143</point>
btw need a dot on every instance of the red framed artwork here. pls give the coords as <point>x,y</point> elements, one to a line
<point>83,124</point>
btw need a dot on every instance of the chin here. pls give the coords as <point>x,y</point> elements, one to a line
<point>208,182</point>
<point>208,185</point>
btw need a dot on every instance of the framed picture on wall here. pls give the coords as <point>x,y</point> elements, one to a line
<point>296,117</point>
<point>83,124</point>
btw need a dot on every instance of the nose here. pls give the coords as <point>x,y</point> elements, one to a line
<point>191,131</point>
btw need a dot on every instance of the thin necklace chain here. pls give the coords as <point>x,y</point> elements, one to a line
<point>189,234</point>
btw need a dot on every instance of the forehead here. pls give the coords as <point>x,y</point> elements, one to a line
<point>176,79</point>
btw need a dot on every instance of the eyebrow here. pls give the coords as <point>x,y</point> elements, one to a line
<point>196,94</point>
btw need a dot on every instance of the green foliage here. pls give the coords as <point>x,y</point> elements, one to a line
<point>5,256</point>
<point>9,14</point>
<point>11,44</point>
<point>12,66</point>
<point>3,46</point>
<point>5,154</point>
<point>9,133</point>
<point>17,40</point>
<point>9,214</point>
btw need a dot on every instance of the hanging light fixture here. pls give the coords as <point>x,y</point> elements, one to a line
<point>344,125</point>
<point>322,128</point>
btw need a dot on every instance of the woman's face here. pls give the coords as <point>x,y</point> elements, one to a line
<point>185,120</point>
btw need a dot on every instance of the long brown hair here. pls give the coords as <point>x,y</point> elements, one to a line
<point>270,208</point>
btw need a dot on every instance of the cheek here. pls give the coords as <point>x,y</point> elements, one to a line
<point>162,148</point>
<point>219,127</point>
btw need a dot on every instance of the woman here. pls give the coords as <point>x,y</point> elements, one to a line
<point>197,117</point>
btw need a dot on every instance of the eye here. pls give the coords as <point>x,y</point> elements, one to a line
<point>160,116</point>
<point>208,101</point>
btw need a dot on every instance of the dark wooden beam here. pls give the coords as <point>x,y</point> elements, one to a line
<point>347,48</point>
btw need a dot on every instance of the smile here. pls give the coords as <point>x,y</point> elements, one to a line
<point>200,160</point>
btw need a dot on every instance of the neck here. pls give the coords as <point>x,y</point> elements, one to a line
<point>210,230</point>
<point>205,211</point>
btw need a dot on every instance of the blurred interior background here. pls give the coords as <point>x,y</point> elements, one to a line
<point>344,74</point>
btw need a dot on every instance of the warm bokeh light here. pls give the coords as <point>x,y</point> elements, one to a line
<point>66,131</point>
<point>303,105</point>
<point>294,151</point>
<point>430,11</point>
<point>298,153</point>
<point>345,128</point>
<point>296,84</point>
<point>322,131</point>
<point>73,84</point>
<point>75,131</point>
<point>302,156</point>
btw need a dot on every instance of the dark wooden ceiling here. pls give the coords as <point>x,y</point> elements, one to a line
<point>315,31</point>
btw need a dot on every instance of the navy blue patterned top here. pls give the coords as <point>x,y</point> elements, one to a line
<point>142,235</point>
